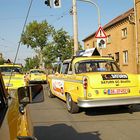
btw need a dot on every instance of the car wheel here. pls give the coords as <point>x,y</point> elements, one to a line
<point>50,92</point>
<point>71,105</point>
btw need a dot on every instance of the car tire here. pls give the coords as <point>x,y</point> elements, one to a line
<point>71,105</point>
<point>50,94</point>
<point>125,106</point>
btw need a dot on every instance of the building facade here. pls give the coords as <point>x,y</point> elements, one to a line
<point>123,40</point>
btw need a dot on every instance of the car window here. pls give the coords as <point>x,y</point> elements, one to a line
<point>3,106</point>
<point>65,68</point>
<point>96,66</point>
<point>37,71</point>
<point>70,69</point>
<point>8,69</point>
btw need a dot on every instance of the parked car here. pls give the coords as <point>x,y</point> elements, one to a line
<point>13,76</point>
<point>36,76</point>
<point>93,81</point>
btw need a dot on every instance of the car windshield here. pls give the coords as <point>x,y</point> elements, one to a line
<point>9,69</point>
<point>96,66</point>
<point>37,71</point>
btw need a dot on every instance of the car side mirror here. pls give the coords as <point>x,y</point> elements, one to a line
<point>30,94</point>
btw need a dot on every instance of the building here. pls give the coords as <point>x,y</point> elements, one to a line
<point>123,40</point>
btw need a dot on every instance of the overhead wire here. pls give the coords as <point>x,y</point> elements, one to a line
<point>19,18</point>
<point>19,43</point>
<point>20,38</point>
<point>60,17</point>
<point>23,30</point>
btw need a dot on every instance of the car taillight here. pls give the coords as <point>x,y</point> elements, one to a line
<point>85,83</point>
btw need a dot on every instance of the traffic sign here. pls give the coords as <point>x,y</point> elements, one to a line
<point>101,42</point>
<point>100,33</point>
<point>88,52</point>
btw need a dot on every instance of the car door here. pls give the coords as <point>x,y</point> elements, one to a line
<point>58,81</point>
<point>12,122</point>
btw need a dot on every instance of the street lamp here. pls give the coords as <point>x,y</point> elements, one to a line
<point>98,10</point>
<point>102,43</point>
<point>75,25</point>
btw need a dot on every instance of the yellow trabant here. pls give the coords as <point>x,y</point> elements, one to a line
<point>36,76</point>
<point>13,76</point>
<point>93,81</point>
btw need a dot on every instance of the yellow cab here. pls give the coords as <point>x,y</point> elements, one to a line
<point>13,75</point>
<point>36,76</point>
<point>14,118</point>
<point>90,80</point>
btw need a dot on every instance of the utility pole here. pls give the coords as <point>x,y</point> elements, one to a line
<point>75,26</point>
<point>99,17</point>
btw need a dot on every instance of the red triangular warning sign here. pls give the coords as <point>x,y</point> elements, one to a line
<point>100,33</point>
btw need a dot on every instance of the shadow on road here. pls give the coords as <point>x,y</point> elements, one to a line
<point>62,132</point>
<point>111,110</point>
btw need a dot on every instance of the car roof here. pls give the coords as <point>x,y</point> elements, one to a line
<point>82,58</point>
<point>10,65</point>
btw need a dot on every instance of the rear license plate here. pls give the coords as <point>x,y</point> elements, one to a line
<point>118,91</point>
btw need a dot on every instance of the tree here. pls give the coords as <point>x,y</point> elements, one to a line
<point>63,44</point>
<point>61,47</point>
<point>31,63</point>
<point>36,36</point>
<point>1,61</point>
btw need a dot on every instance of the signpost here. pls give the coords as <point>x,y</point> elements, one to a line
<point>101,38</point>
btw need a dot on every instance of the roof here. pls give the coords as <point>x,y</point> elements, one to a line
<point>86,58</point>
<point>113,22</point>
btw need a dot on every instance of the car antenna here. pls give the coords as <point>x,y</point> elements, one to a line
<point>19,43</point>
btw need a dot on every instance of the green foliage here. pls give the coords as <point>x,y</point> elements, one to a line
<point>47,43</point>
<point>1,61</point>
<point>62,47</point>
<point>31,63</point>
<point>36,34</point>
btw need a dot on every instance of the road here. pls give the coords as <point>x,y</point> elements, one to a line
<point>52,121</point>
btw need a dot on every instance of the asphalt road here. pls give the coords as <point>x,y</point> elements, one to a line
<point>52,121</point>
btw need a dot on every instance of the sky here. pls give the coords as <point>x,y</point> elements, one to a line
<point>13,14</point>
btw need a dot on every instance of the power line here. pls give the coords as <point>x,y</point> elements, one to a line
<point>20,37</point>
<point>19,18</point>
<point>3,39</point>
<point>61,16</point>
<point>23,29</point>
<point>3,45</point>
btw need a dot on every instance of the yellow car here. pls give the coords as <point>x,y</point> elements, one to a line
<point>15,123</point>
<point>93,81</point>
<point>36,76</point>
<point>13,76</point>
